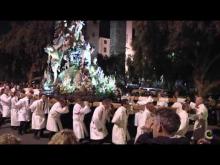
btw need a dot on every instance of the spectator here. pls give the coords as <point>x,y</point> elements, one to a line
<point>162,129</point>
<point>65,136</point>
<point>9,139</point>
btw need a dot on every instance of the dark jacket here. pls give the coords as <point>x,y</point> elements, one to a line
<point>147,138</point>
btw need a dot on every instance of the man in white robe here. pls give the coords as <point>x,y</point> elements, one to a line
<point>200,118</point>
<point>6,104</point>
<point>24,114</point>
<point>38,116</point>
<point>79,111</point>
<point>53,122</point>
<point>137,115</point>
<point>14,111</point>
<point>144,117</point>
<point>184,119</point>
<point>120,134</point>
<point>98,130</point>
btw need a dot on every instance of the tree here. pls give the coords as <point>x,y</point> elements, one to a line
<point>186,49</point>
<point>113,65</point>
<point>149,44</point>
<point>196,43</point>
<point>24,46</point>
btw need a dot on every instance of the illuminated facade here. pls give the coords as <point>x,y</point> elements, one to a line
<point>104,46</point>
<point>129,52</point>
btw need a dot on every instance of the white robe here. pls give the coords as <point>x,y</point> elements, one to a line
<point>184,119</point>
<point>162,104</point>
<point>143,118</point>
<point>38,116</point>
<point>184,122</point>
<point>24,113</point>
<point>14,112</point>
<point>53,122</point>
<point>137,117</point>
<point>98,129</point>
<point>201,123</point>
<point>79,127</point>
<point>120,133</point>
<point>6,105</point>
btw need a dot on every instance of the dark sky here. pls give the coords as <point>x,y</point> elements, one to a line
<point>104,29</point>
<point>4,27</point>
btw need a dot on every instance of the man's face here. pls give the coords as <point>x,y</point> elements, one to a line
<point>43,97</point>
<point>6,91</point>
<point>17,94</point>
<point>29,95</point>
<point>198,101</point>
<point>108,106</point>
<point>150,107</point>
<point>81,102</point>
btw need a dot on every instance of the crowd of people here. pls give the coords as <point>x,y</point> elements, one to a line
<point>29,109</point>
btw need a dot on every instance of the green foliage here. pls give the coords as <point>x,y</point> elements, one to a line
<point>178,49</point>
<point>23,46</point>
<point>113,65</point>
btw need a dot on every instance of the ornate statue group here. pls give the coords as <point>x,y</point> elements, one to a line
<point>69,59</point>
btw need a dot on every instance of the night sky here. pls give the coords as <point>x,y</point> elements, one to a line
<point>4,27</point>
<point>104,29</point>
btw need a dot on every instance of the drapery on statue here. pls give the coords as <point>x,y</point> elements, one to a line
<point>86,56</point>
<point>54,58</point>
<point>78,29</point>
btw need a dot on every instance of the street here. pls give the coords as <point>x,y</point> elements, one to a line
<point>26,138</point>
<point>29,139</point>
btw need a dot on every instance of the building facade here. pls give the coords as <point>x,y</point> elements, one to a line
<point>129,52</point>
<point>117,37</point>
<point>104,46</point>
<point>111,38</point>
<point>92,34</point>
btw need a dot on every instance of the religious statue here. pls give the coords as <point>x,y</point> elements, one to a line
<point>86,56</point>
<point>79,26</point>
<point>54,60</point>
<point>70,66</point>
<point>67,63</point>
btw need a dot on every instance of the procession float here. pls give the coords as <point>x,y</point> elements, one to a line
<point>72,69</point>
